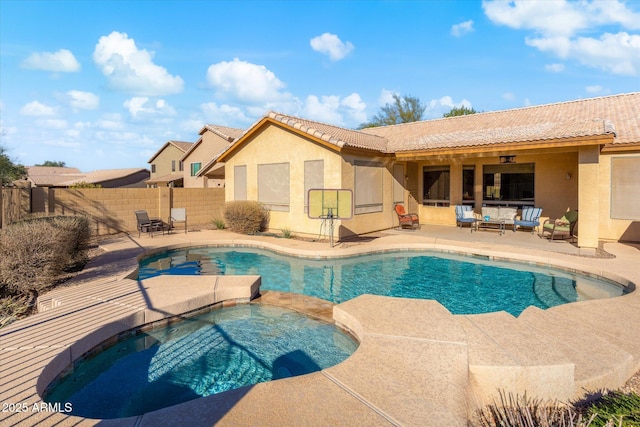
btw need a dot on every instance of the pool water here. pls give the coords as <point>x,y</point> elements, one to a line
<point>221,350</point>
<point>463,284</point>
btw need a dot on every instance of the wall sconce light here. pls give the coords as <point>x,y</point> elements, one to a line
<point>568,176</point>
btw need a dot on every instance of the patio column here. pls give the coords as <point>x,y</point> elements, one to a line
<point>588,189</point>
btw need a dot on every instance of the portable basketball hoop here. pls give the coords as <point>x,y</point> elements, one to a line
<point>330,205</point>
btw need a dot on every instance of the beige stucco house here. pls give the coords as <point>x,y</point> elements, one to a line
<point>213,140</point>
<point>166,165</point>
<point>582,155</point>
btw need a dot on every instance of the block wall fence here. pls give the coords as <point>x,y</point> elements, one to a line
<point>111,210</point>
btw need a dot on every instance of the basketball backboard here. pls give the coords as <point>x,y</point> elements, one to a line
<point>330,203</point>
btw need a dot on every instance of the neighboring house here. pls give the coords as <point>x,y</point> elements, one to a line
<point>50,176</point>
<point>62,177</point>
<point>213,140</point>
<point>166,165</point>
<point>582,155</point>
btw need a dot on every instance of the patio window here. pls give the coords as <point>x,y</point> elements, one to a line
<point>273,186</point>
<point>313,178</point>
<point>468,184</point>
<point>195,168</point>
<point>240,182</point>
<point>436,181</point>
<point>509,183</point>
<point>368,187</point>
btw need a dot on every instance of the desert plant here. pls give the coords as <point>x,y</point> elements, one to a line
<point>36,251</point>
<point>13,308</point>
<point>246,216</point>
<point>219,224</point>
<point>615,408</point>
<point>521,411</point>
<point>287,233</point>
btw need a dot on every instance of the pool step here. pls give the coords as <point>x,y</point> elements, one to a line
<point>507,353</point>
<point>596,316</point>
<point>609,367</point>
<point>412,354</point>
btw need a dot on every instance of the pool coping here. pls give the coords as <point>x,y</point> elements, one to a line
<point>459,380</point>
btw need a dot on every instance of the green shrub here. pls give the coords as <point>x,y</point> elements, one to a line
<point>36,251</point>
<point>622,409</point>
<point>246,216</point>
<point>219,223</point>
<point>287,233</point>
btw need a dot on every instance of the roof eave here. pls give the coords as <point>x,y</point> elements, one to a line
<point>514,146</point>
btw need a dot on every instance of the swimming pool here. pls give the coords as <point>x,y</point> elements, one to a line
<point>221,350</point>
<point>463,284</point>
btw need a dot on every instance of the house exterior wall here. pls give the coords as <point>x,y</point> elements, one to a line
<point>553,191</point>
<point>274,144</point>
<point>163,161</point>
<point>612,229</point>
<point>206,149</point>
<point>374,221</point>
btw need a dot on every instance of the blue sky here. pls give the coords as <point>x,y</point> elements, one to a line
<point>104,84</point>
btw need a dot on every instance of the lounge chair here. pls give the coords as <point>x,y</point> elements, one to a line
<point>560,227</point>
<point>530,218</point>
<point>465,215</point>
<point>148,225</point>
<point>407,220</point>
<point>178,215</point>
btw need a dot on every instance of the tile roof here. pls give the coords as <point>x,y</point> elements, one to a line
<point>44,176</point>
<point>180,145</point>
<point>616,114</point>
<point>335,135</point>
<point>100,176</point>
<point>165,178</point>
<point>230,134</point>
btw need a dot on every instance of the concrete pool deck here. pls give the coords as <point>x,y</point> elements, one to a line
<point>417,364</point>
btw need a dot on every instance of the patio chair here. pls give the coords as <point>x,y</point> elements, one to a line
<point>560,227</point>
<point>465,215</point>
<point>530,218</point>
<point>178,215</point>
<point>407,220</point>
<point>148,225</point>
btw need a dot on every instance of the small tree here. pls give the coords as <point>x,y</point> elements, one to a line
<point>459,111</point>
<point>404,109</point>
<point>53,164</point>
<point>9,171</point>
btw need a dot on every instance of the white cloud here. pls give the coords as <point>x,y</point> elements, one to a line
<point>459,30</point>
<point>132,70</point>
<point>110,122</point>
<point>330,44</point>
<point>554,68</point>
<point>82,100</point>
<point>219,114</point>
<point>60,61</point>
<point>246,82</point>
<point>437,107</point>
<point>386,97</point>
<point>141,107</point>
<point>35,108</point>
<point>559,25</point>
<point>347,111</point>
<point>509,96</point>
<point>594,89</point>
